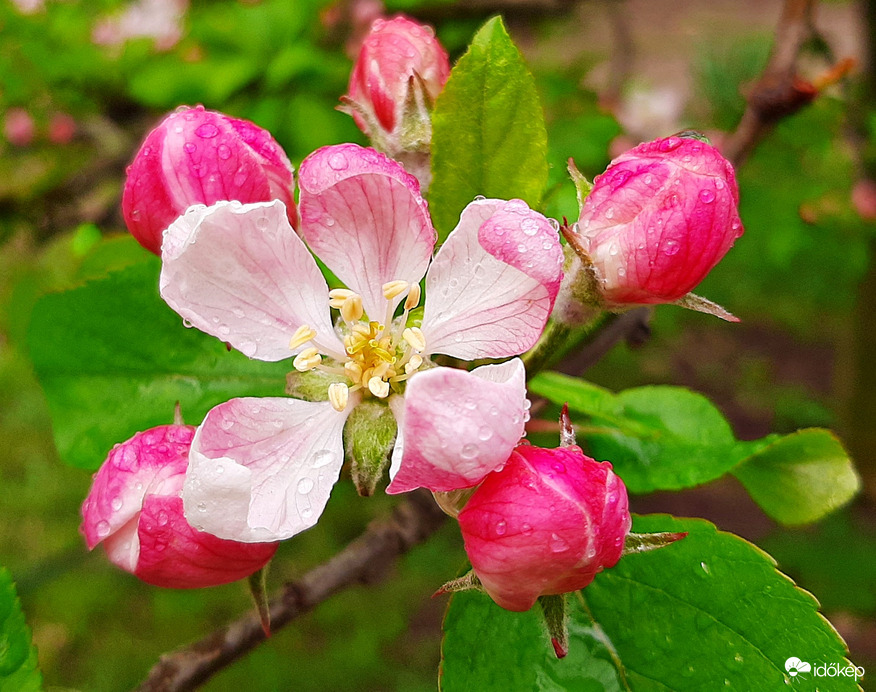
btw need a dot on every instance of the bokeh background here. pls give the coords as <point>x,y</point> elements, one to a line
<point>82,82</point>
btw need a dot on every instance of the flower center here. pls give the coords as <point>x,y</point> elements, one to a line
<point>377,355</point>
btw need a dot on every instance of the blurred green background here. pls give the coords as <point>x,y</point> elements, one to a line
<point>611,73</point>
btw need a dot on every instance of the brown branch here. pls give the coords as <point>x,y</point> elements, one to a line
<point>364,561</point>
<point>779,92</point>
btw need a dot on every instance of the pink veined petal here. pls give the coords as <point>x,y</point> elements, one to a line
<point>150,462</point>
<point>493,283</point>
<point>363,215</point>
<point>239,272</point>
<point>458,426</point>
<point>175,555</point>
<point>262,469</point>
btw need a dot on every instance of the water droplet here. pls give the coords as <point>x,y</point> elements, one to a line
<point>223,330</point>
<point>670,143</point>
<point>591,553</point>
<point>338,161</point>
<point>479,198</point>
<point>162,518</point>
<point>226,423</point>
<point>248,348</point>
<point>146,151</point>
<point>103,529</point>
<point>613,250</point>
<point>557,544</point>
<point>719,184</point>
<point>648,179</point>
<point>224,152</point>
<point>116,504</point>
<point>220,470</point>
<point>207,131</point>
<point>187,324</point>
<point>529,226</point>
<point>262,223</point>
<point>705,568</point>
<point>621,271</point>
<point>554,224</point>
<point>469,451</point>
<point>138,487</point>
<point>609,213</point>
<point>322,458</point>
<point>485,433</point>
<point>521,248</point>
<point>190,147</point>
<point>501,527</point>
<point>671,248</point>
<point>558,466</point>
<point>305,485</point>
<point>526,530</point>
<point>707,196</point>
<point>738,658</point>
<point>494,411</point>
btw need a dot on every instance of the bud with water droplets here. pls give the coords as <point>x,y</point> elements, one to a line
<point>545,524</point>
<point>653,225</point>
<point>196,156</point>
<point>135,510</point>
<point>399,73</point>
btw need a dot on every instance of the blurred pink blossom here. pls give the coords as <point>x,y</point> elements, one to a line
<point>160,20</point>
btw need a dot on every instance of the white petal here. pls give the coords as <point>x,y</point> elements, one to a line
<point>458,426</point>
<point>239,272</point>
<point>263,469</point>
<point>493,283</point>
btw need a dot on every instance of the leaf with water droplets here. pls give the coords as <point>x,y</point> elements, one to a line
<point>709,612</point>
<point>488,130</point>
<point>18,656</point>
<point>113,358</point>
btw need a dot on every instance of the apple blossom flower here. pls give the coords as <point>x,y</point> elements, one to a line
<point>135,510</point>
<point>159,20</point>
<point>545,524</point>
<point>656,222</point>
<point>262,468</point>
<point>19,127</point>
<point>196,156</point>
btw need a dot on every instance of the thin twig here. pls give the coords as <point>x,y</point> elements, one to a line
<point>365,560</point>
<point>779,92</point>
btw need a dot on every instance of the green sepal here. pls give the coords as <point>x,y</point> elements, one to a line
<point>467,582</point>
<point>643,542</point>
<point>259,591</point>
<point>557,620</point>
<point>311,385</point>
<point>582,185</point>
<point>368,438</point>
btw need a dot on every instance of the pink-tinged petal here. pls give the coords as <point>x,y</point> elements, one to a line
<point>493,283</point>
<point>458,426</point>
<point>239,272</point>
<point>362,214</point>
<point>151,462</point>
<point>175,555</point>
<point>262,469</point>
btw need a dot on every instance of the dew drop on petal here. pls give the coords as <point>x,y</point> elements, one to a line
<point>557,544</point>
<point>469,451</point>
<point>554,224</point>
<point>707,196</point>
<point>190,147</point>
<point>501,527</point>
<point>479,198</point>
<point>705,568</point>
<point>202,506</point>
<point>116,504</point>
<point>526,529</point>
<point>226,423</point>
<point>224,152</point>
<point>609,213</point>
<point>305,485</point>
<point>207,131</point>
<point>103,529</point>
<point>187,324</point>
<point>558,466</point>
<point>485,433</point>
<point>322,458</point>
<point>670,143</point>
<point>338,162</point>
<point>672,247</point>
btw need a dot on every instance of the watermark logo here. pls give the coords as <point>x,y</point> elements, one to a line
<point>795,667</point>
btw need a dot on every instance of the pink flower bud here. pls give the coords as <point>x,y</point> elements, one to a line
<point>62,129</point>
<point>545,524</point>
<point>196,156</point>
<point>19,127</point>
<point>659,218</point>
<point>135,509</point>
<point>395,51</point>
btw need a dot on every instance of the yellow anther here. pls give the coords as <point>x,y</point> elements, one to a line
<point>353,370</point>
<point>383,354</point>
<point>308,359</point>
<point>394,288</point>
<point>301,336</point>
<point>337,296</point>
<point>339,395</point>
<point>351,309</point>
<point>415,362</point>
<point>413,298</point>
<point>362,329</point>
<point>414,337</point>
<point>378,387</point>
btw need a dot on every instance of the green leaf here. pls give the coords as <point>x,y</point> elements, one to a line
<point>18,657</point>
<point>800,477</point>
<point>710,612</point>
<point>113,359</point>
<point>488,131</point>
<point>668,438</point>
